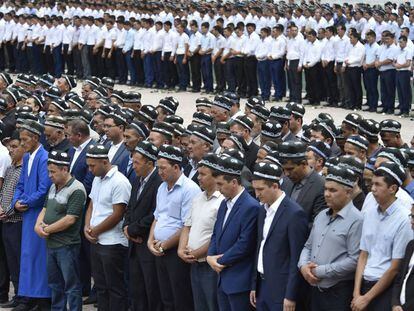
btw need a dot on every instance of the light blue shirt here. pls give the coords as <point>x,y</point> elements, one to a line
<point>385,237</point>
<point>129,40</point>
<point>387,52</point>
<point>207,41</point>
<point>173,207</point>
<point>371,51</point>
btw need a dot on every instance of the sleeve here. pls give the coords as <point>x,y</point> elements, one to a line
<point>188,221</point>
<point>187,202</point>
<point>76,203</point>
<point>5,162</point>
<point>402,237</point>
<point>121,192</point>
<point>363,245</point>
<point>305,255</point>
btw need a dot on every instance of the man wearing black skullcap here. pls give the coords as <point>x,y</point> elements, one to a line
<point>385,235</point>
<point>138,219</point>
<point>8,112</point>
<point>173,204</point>
<point>390,134</point>
<point>316,154</point>
<point>282,229</point>
<point>29,198</point>
<point>109,197</point>
<point>333,242</point>
<point>308,185</point>
<point>357,146</point>
<point>232,246</point>
<point>55,134</point>
<point>161,133</point>
<point>61,230</point>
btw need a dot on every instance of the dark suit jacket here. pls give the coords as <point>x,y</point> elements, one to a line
<point>9,121</point>
<point>281,251</point>
<point>64,146</point>
<point>80,169</point>
<point>311,197</point>
<point>291,137</point>
<point>409,288</point>
<point>140,211</point>
<point>251,155</point>
<point>187,171</point>
<point>237,242</point>
<point>119,158</point>
<point>129,173</point>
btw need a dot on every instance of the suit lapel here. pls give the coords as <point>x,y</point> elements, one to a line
<point>118,153</point>
<point>147,186</point>
<point>233,211</point>
<point>81,155</point>
<point>306,187</point>
<point>281,209</point>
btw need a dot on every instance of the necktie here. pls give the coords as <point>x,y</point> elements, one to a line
<point>141,187</point>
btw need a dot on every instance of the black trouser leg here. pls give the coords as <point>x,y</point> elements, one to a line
<point>250,68</point>
<point>219,74</point>
<point>195,66</point>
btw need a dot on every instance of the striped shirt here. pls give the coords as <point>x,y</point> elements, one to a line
<point>11,179</point>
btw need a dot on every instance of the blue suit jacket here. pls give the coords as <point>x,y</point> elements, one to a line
<point>119,158</point>
<point>237,242</point>
<point>129,173</point>
<point>80,169</point>
<point>281,251</point>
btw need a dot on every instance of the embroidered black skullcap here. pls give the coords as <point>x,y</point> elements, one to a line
<point>86,115</point>
<point>39,100</point>
<point>14,94</point>
<point>24,94</point>
<point>6,78</point>
<point>107,83</point>
<point>60,104</point>
<point>167,105</point>
<point>59,158</point>
<point>33,80</point>
<point>3,104</point>
<point>332,162</point>
<point>148,112</point>
<point>326,129</point>
<point>261,112</point>
<point>71,81</point>
<point>393,170</point>
<point>24,108</point>
<point>222,102</point>
<point>202,118</point>
<point>358,141</point>
<point>93,81</point>
<point>203,102</point>
<point>23,79</point>
<point>239,142</point>
<point>132,97</point>
<point>352,163</point>
<point>280,113</point>
<point>255,101</point>
<point>353,119</point>
<point>341,175</point>
<point>230,166</point>
<point>297,110</point>
<point>394,154</point>
<point>190,128</point>
<point>292,150</point>
<point>71,114</point>
<point>232,96</point>
<point>223,128</point>
<point>174,100</point>
<point>409,156</point>
<point>97,151</point>
<point>323,117</point>
<point>267,171</point>
<point>269,146</point>
<point>273,157</point>
<point>2,129</point>
<point>33,126</point>
<point>179,129</point>
<point>57,122</point>
<point>77,101</point>
<point>244,121</point>
<point>369,127</point>
<point>53,92</point>
<point>235,153</point>
<point>173,118</point>
<point>204,133</point>
<point>163,128</point>
<point>390,125</point>
<point>147,149</point>
<point>321,148</point>
<point>101,92</point>
<point>140,128</point>
<point>209,160</point>
<point>46,80</point>
<point>70,94</point>
<point>120,116</point>
<point>171,153</point>
<point>118,94</point>
<point>104,110</point>
<point>272,129</point>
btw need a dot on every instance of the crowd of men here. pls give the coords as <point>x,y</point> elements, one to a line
<point>248,49</point>
<point>240,209</point>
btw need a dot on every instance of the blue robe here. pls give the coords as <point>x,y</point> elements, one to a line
<point>32,190</point>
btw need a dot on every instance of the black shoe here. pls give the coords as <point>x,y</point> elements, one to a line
<point>90,300</point>
<point>95,305</point>
<point>23,307</point>
<point>9,304</point>
<point>390,112</point>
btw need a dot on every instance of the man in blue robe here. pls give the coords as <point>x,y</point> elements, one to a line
<point>29,199</point>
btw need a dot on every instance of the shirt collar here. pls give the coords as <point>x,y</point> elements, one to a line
<point>234,200</point>
<point>275,204</point>
<point>343,212</point>
<point>33,154</point>
<point>111,172</point>
<point>390,210</point>
<point>216,194</point>
<point>149,175</point>
<point>117,145</point>
<point>83,145</point>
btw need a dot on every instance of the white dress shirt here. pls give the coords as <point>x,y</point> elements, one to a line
<point>263,48</point>
<point>403,56</point>
<point>182,40</point>
<point>31,159</point>
<point>278,47</point>
<point>295,48</point>
<point>341,48</point>
<point>113,149</point>
<point>78,151</point>
<point>311,54</point>
<point>356,55</point>
<point>230,205</point>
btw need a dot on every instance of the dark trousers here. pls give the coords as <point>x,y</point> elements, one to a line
<point>92,60</point>
<point>240,72</point>
<point>313,77</point>
<point>277,71</point>
<point>108,270</point>
<point>330,83</point>
<point>195,67</point>
<point>67,59</point>
<point>387,79</point>
<point>295,81</point>
<point>86,65</point>
<point>121,66</point>
<point>264,299</point>
<point>353,83</point>
<point>343,90</point>
<point>335,298</point>
<point>139,67</point>
<point>158,70</point>
<point>109,62</point>
<point>77,61</point>
<point>85,265</point>
<point>4,270</point>
<point>220,75</point>
<point>99,63</point>
<point>10,56</point>
<point>183,73</point>
<point>381,302</point>
<point>230,74</point>
<point>2,57</point>
<point>30,59</point>
<point>265,78</point>
<point>63,277</point>
<point>169,71</point>
<point>371,87</point>
<point>143,287</point>
<point>57,60</point>
<point>48,60</point>
<point>149,69</point>
<point>21,59</point>
<point>174,280</point>
<point>131,67</point>
<point>233,302</point>
<point>207,72</point>
<point>250,70</point>
<point>38,64</point>
<point>204,286</point>
<point>404,90</point>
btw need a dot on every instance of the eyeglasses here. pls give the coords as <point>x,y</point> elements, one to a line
<point>106,126</point>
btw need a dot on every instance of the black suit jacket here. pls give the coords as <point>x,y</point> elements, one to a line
<point>409,288</point>
<point>140,211</point>
<point>251,155</point>
<point>311,197</point>
<point>9,121</point>
<point>187,171</point>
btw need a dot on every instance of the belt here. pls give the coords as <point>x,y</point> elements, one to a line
<point>337,285</point>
